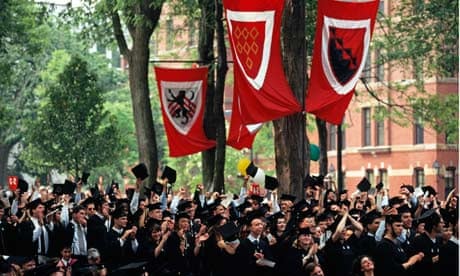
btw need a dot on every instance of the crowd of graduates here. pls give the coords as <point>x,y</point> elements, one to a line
<point>75,230</point>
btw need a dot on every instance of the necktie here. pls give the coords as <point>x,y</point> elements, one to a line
<point>81,240</point>
<point>256,244</point>
<point>42,241</point>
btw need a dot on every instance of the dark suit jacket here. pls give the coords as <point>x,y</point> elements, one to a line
<point>117,254</point>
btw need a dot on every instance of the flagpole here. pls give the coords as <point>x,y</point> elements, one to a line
<point>339,158</point>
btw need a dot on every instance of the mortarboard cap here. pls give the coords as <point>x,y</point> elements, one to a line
<point>34,203</point>
<point>154,206</point>
<point>58,189</point>
<point>305,214</point>
<point>313,181</point>
<point>251,169</point>
<point>183,205</point>
<point>118,213</point>
<point>429,217</point>
<point>356,213</point>
<point>390,219</point>
<point>379,186</point>
<point>214,220</point>
<point>157,188</point>
<point>369,217</point>
<point>229,231</point>
<point>300,205</point>
<point>19,260</point>
<point>181,215</point>
<point>272,219</point>
<point>364,185</point>
<point>304,231</point>
<point>140,171</point>
<point>23,185</point>
<point>288,197</point>
<point>430,190</point>
<point>170,174</point>
<point>410,188</point>
<point>271,183</point>
<point>256,214</point>
<point>69,187</point>
<point>404,209</point>
<point>167,214</point>
<point>395,201</point>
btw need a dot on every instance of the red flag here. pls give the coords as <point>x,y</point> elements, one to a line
<point>254,33</point>
<point>343,34</point>
<point>240,135</point>
<point>182,96</point>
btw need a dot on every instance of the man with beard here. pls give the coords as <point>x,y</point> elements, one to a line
<point>390,257</point>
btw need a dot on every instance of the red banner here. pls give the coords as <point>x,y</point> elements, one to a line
<point>183,96</point>
<point>343,34</point>
<point>240,136</point>
<point>13,182</point>
<point>254,33</point>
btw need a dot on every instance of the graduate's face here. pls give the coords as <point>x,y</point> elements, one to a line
<point>156,214</point>
<point>374,225</point>
<point>65,253</point>
<point>367,264</point>
<point>317,271</point>
<point>90,209</point>
<point>257,227</point>
<point>281,224</point>
<point>397,228</point>
<point>305,239</point>
<point>406,220</point>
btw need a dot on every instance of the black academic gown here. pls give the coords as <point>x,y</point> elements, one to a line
<point>340,255</point>
<point>448,259</point>
<point>389,257</point>
<point>97,234</point>
<point>26,246</point>
<point>291,262</point>
<point>423,243</point>
<point>247,262</point>
<point>367,244</point>
<point>117,254</point>
<point>7,238</point>
<point>179,263</point>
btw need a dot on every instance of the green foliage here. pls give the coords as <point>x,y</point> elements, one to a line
<point>72,131</point>
<point>428,30</point>
<point>439,112</point>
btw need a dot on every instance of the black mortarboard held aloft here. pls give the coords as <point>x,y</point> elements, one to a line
<point>271,183</point>
<point>140,171</point>
<point>364,185</point>
<point>170,174</point>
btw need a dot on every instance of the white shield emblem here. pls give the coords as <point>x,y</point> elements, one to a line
<point>344,48</point>
<point>182,103</point>
<point>251,35</point>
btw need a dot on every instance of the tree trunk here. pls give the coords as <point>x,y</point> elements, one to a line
<point>322,137</point>
<point>142,111</point>
<point>206,52</point>
<point>4,153</point>
<point>291,143</point>
<point>222,68</point>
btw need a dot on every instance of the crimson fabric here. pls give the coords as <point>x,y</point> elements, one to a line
<point>182,95</point>
<point>240,136</point>
<point>254,34</point>
<point>343,34</point>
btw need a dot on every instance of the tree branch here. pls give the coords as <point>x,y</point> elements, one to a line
<point>118,32</point>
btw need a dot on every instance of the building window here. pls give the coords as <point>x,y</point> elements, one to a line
<point>366,126</point>
<point>381,11</point>
<point>169,34</point>
<point>332,143</point>
<point>379,129</point>
<point>450,180</point>
<point>367,67</point>
<point>380,74</point>
<point>370,176</point>
<point>383,177</point>
<point>418,130</point>
<point>419,177</point>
